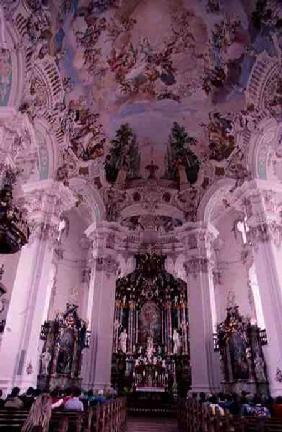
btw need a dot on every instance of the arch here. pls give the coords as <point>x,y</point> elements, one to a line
<point>264,148</point>
<point>12,82</point>
<point>212,202</point>
<point>163,210</point>
<point>47,147</point>
<point>91,203</point>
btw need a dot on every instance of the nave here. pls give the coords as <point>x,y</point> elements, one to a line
<point>151,424</point>
<point>140,209</point>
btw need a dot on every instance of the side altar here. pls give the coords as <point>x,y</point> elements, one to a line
<point>240,344</point>
<point>64,338</point>
<point>151,332</point>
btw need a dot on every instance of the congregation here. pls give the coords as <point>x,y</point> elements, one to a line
<point>244,404</point>
<point>41,404</point>
<point>69,399</point>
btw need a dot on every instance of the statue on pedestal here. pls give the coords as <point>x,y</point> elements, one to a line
<point>150,348</point>
<point>123,341</point>
<point>176,342</point>
<point>45,362</point>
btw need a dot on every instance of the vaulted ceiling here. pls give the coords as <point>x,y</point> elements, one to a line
<point>188,69</point>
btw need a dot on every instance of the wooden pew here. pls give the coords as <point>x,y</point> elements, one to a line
<point>107,417</point>
<point>62,421</point>
<point>110,416</point>
<point>195,417</point>
<point>12,419</point>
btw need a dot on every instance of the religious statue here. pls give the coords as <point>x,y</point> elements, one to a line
<point>116,335</point>
<point>45,362</point>
<point>176,342</point>
<point>150,347</point>
<point>123,341</point>
<point>238,355</point>
<point>260,369</point>
<point>65,356</point>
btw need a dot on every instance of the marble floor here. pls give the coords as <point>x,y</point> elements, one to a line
<point>144,424</point>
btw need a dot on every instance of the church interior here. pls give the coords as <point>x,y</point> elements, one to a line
<point>141,213</point>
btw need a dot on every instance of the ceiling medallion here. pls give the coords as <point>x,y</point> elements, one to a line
<point>14,231</point>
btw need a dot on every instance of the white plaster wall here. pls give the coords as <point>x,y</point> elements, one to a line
<point>69,285</point>
<point>10,263</point>
<point>234,273</point>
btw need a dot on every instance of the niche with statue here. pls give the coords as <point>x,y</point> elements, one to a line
<point>64,340</point>
<point>240,345</point>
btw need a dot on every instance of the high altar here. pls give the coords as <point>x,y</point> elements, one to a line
<point>151,332</point>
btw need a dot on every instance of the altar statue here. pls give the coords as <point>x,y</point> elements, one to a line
<point>176,342</point>
<point>122,341</point>
<point>260,369</point>
<point>150,347</point>
<point>45,362</point>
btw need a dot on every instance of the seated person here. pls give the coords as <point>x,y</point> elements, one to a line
<point>39,415</point>
<point>233,404</point>
<point>13,400</point>
<point>100,397</point>
<point>28,398</point>
<point>259,409</point>
<point>56,398</point>
<point>74,404</point>
<point>214,405</point>
<point>91,398</point>
<point>246,405</point>
<point>2,401</point>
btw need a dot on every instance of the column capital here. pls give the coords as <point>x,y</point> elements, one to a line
<point>258,198</point>
<point>105,236</point>
<point>196,264</point>
<point>44,202</point>
<point>262,204</point>
<point>107,264</point>
<point>198,236</point>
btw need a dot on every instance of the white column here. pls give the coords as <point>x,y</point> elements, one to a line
<point>20,348</point>
<point>262,202</point>
<point>204,361</point>
<point>98,358</point>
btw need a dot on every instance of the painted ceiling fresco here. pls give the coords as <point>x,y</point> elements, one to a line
<point>167,77</point>
<point>149,63</point>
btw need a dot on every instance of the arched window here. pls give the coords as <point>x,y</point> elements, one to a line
<point>243,228</point>
<point>256,295</point>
